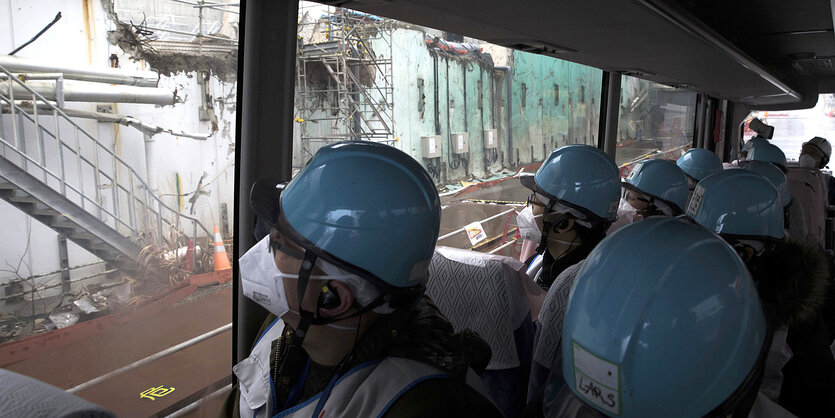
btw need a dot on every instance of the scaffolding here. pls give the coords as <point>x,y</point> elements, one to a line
<point>344,80</point>
<point>196,27</point>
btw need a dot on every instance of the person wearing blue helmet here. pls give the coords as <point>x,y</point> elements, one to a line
<point>697,164</point>
<point>794,222</point>
<point>671,335</point>
<point>575,199</point>
<point>652,188</point>
<point>343,272</point>
<point>750,145</point>
<point>745,209</point>
<point>769,153</point>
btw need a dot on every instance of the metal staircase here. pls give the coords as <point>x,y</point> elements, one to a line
<point>55,171</point>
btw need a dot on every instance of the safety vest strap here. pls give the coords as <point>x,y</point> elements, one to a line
<point>253,373</point>
<point>370,389</point>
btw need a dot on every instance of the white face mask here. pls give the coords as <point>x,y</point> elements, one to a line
<point>334,273</point>
<point>528,229</point>
<point>261,279</point>
<point>807,161</point>
<point>263,282</point>
<point>626,215</point>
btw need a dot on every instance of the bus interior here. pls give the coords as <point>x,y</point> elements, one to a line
<point>637,79</point>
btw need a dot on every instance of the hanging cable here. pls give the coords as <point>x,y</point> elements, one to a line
<point>56,19</point>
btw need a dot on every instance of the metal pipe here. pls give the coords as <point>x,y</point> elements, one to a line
<point>198,403</point>
<point>10,94</point>
<point>462,229</point>
<point>60,146</point>
<point>196,35</point>
<point>509,97</point>
<point>82,73</point>
<point>82,91</point>
<point>41,289</point>
<point>114,183</point>
<point>132,204</point>
<point>150,359</point>
<point>78,161</point>
<point>689,24</point>
<point>130,121</point>
<point>150,178</point>
<point>501,247</point>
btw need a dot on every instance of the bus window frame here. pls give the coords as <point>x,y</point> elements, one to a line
<point>264,138</point>
<point>266,63</point>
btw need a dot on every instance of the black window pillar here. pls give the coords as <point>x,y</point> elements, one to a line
<point>264,138</point>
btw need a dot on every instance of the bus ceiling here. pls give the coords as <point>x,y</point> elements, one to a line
<point>775,54</point>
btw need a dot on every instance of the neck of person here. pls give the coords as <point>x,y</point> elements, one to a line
<point>329,345</point>
<point>559,245</point>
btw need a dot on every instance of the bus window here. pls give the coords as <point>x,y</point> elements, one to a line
<point>655,121</point>
<point>117,147</point>
<point>793,128</point>
<point>472,113</point>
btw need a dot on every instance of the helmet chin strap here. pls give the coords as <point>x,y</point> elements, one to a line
<point>306,317</point>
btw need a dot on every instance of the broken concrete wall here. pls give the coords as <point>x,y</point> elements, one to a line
<point>552,103</point>
<point>80,38</point>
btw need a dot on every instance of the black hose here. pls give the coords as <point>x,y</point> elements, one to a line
<point>57,18</point>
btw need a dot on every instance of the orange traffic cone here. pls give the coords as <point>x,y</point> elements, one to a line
<point>188,260</point>
<point>221,259</point>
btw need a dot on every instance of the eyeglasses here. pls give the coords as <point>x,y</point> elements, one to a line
<point>292,252</point>
<point>533,200</point>
<point>635,196</point>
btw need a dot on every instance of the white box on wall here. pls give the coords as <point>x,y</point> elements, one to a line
<point>460,143</point>
<point>431,146</point>
<point>491,140</point>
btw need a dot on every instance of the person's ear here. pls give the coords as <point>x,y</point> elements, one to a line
<point>749,253</point>
<point>342,298</point>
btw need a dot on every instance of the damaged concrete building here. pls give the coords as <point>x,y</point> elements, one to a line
<point>118,133</point>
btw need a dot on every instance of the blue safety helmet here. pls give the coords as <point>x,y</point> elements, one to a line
<point>751,144</point>
<point>738,203</point>
<point>579,176</point>
<point>774,175</point>
<point>367,207</point>
<point>662,180</point>
<point>768,153</point>
<point>699,163</point>
<point>681,333</point>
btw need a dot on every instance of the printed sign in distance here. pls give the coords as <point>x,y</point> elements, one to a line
<point>475,232</point>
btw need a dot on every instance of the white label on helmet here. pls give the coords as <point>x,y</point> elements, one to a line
<point>635,170</point>
<point>695,201</point>
<point>597,380</point>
